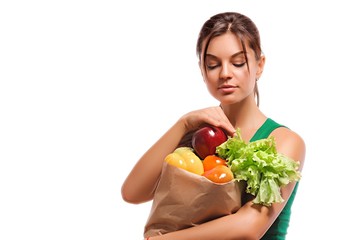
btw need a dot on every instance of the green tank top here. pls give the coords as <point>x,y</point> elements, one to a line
<point>278,229</point>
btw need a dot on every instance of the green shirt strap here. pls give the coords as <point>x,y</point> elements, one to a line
<point>264,131</point>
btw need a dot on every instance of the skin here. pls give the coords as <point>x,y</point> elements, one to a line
<point>231,82</point>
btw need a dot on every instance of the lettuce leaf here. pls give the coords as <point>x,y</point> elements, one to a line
<point>261,166</point>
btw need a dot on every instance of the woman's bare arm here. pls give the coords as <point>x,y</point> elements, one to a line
<point>140,184</point>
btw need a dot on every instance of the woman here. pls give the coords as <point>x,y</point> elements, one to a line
<point>231,62</point>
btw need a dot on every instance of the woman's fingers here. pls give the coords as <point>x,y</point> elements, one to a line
<point>213,116</point>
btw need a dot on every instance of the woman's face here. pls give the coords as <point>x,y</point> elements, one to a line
<point>225,71</point>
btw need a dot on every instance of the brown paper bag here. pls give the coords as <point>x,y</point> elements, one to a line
<point>183,199</point>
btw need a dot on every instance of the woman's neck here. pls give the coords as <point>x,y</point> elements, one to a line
<point>246,116</point>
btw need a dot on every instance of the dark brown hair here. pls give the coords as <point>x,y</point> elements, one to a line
<point>236,23</point>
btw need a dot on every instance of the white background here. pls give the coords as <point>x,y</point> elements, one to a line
<point>87,86</point>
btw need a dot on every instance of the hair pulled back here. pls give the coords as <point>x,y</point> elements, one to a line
<point>237,23</point>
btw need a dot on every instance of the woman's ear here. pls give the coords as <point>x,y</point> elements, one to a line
<point>260,65</point>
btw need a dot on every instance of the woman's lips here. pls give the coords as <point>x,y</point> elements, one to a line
<point>227,89</point>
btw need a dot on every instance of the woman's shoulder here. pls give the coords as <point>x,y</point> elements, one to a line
<point>290,143</point>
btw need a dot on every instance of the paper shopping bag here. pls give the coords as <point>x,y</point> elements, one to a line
<point>183,199</point>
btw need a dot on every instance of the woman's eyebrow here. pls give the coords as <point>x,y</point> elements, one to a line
<point>232,56</point>
<point>211,56</point>
<point>238,54</point>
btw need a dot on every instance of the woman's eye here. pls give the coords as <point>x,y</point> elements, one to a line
<point>239,64</point>
<point>212,66</point>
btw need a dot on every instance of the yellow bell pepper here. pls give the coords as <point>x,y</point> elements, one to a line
<point>185,158</point>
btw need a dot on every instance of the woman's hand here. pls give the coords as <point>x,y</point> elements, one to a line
<point>212,115</point>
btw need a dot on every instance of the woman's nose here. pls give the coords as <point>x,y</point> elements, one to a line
<point>225,72</point>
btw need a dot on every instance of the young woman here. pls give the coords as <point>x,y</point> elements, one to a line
<point>231,63</point>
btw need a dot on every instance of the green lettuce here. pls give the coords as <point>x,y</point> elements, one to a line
<point>260,165</point>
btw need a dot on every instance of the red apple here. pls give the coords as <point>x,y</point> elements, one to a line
<point>206,139</point>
